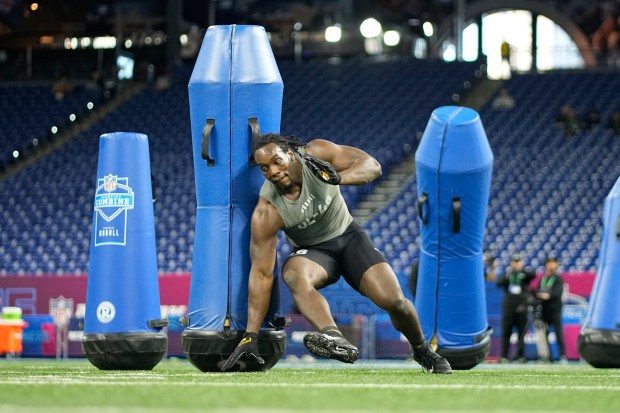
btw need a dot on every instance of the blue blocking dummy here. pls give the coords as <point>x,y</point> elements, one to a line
<point>123,319</point>
<point>599,339</point>
<point>235,93</point>
<point>454,163</point>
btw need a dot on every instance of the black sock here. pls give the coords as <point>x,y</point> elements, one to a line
<point>332,331</point>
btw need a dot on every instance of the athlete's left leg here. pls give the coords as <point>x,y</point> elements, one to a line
<point>379,283</point>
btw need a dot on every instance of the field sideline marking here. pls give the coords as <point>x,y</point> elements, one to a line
<point>63,380</point>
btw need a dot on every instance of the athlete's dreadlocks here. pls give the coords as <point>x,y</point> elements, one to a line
<point>284,142</point>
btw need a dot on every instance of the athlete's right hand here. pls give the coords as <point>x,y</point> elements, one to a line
<point>323,170</point>
<point>247,346</point>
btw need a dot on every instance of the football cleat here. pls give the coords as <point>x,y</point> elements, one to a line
<point>430,361</point>
<point>331,347</point>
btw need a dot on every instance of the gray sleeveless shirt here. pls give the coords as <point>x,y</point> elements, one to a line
<point>318,215</point>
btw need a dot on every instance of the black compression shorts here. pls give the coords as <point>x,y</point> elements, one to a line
<point>348,255</point>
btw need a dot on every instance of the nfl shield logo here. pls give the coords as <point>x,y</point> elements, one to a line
<point>61,309</point>
<point>109,183</point>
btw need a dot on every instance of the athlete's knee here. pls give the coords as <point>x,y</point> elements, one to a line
<point>397,305</point>
<point>294,279</point>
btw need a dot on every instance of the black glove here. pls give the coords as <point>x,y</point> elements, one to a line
<point>323,170</point>
<point>247,346</point>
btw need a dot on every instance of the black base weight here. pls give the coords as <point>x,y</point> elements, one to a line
<point>125,351</point>
<point>466,358</point>
<point>600,348</point>
<point>207,350</point>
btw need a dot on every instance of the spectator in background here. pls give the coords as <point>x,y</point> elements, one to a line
<point>61,88</point>
<point>503,100</point>
<point>96,81</point>
<point>505,50</point>
<point>488,265</point>
<point>614,123</point>
<point>593,118</point>
<point>515,283</point>
<point>549,291</point>
<point>605,39</point>
<point>568,121</point>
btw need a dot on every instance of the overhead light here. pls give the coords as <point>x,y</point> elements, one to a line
<point>370,28</point>
<point>333,34</point>
<point>391,38</point>
<point>46,40</point>
<point>428,29</point>
<point>71,43</point>
<point>449,52</point>
<point>104,42</point>
<point>373,46</point>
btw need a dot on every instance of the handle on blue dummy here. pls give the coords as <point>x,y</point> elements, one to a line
<point>206,138</point>
<point>153,188</point>
<point>421,202</point>
<point>618,228</point>
<point>158,324</point>
<point>456,214</point>
<point>253,122</point>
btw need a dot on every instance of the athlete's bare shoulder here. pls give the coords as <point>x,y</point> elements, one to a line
<point>266,218</point>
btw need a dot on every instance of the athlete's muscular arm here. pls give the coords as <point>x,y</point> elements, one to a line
<point>264,229</point>
<point>355,166</point>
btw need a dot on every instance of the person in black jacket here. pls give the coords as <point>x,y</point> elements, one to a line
<point>515,282</point>
<point>549,290</point>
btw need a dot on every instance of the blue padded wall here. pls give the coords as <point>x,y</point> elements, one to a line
<point>123,290</point>
<point>122,322</point>
<point>454,159</point>
<point>604,309</point>
<point>599,341</point>
<point>235,78</point>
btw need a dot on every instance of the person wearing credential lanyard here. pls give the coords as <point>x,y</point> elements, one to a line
<point>514,307</point>
<point>549,290</point>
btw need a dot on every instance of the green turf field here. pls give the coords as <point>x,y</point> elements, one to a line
<point>174,385</point>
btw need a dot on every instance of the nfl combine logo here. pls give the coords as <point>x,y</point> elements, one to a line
<point>109,183</point>
<point>113,198</point>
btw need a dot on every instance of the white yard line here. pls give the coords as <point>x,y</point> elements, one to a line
<point>113,381</point>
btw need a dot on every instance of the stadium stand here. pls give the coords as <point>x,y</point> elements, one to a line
<point>547,189</point>
<point>31,110</point>
<point>317,91</point>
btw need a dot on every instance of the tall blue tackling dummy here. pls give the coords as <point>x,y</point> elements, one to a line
<point>454,163</point>
<point>122,324</point>
<point>599,339</point>
<point>235,93</point>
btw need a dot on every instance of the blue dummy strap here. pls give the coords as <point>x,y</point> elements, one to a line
<point>206,137</point>
<point>255,127</point>
<point>456,214</point>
